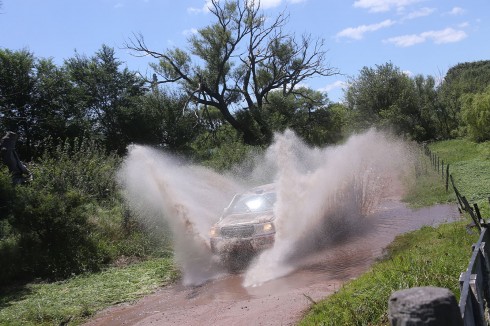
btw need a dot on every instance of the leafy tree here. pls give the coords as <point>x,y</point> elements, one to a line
<point>36,102</point>
<point>103,91</point>
<point>159,118</point>
<point>385,96</point>
<point>237,61</point>
<point>17,84</point>
<point>430,118</point>
<point>55,110</point>
<point>476,114</point>
<point>308,112</point>
<point>463,78</point>
<point>222,148</point>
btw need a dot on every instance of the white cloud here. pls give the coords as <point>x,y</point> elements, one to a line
<point>269,3</point>
<point>188,32</point>
<point>264,4</point>
<point>448,35</point>
<point>420,13</point>
<point>358,32</point>
<point>119,5</point>
<point>203,9</point>
<point>383,5</point>
<point>405,40</point>
<point>338,84</point>
<point>456,11</point>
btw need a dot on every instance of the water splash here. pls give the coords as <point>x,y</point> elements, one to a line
<point>323,194</point>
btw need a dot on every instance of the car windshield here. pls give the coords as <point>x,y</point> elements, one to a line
<point>253,203</point>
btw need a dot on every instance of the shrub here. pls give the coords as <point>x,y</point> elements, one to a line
<point>80,164</point>
<point>223,149</point>
<point>54,236</point>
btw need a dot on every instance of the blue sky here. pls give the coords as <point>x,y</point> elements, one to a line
<point>419,36</point>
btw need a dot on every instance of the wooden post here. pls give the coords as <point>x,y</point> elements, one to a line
<point>424,306</point>
<point>447,177</point>
<point>478,215</point>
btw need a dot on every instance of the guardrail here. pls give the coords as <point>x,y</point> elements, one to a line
<point>474,282</point>
<point>416,306</point>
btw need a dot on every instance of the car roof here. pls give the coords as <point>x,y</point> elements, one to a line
<point>261,189</point>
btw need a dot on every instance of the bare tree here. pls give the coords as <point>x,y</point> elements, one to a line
<point>234,63</point>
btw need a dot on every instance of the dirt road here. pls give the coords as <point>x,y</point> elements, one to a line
<point>225,301</point>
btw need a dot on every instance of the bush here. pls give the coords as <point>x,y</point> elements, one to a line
<point>54,235</point>
<point>69,219</point>
<point>223,149</point>
<point>82,165</point>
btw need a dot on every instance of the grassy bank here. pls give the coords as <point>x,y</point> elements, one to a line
<point>430,256</point>
<point>76,299</point>
<point>469,166</point>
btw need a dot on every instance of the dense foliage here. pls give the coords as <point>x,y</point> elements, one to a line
<point>475,113</point>
<point>387,97</point>
<point>464,78</point>
<point>68,219</point>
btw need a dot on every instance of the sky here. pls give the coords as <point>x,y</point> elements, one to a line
<point>418,36</point>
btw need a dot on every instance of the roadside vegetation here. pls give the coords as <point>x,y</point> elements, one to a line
<point>69,225</point>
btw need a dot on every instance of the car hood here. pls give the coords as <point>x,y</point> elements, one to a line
<point>249,218</point>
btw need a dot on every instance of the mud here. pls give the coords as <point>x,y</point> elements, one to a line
<point>282,301</point>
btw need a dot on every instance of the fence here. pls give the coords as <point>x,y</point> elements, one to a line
<point>417,306</point>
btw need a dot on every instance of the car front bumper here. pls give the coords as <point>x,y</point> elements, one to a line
<point>221,245</point>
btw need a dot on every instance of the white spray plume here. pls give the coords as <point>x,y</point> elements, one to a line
<point>321,194</point>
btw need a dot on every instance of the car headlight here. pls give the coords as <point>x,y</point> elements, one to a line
<point>213,232</point>
<point>268,227</point>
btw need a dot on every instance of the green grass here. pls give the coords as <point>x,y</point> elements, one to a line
<point>78,298</point>
<point>429,256</point>
<point>428,189</point>
<point>469,166</point>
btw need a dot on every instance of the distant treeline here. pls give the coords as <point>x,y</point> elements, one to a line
<point>95,98</point>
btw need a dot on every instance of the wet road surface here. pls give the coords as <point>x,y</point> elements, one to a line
<point>283,301</point>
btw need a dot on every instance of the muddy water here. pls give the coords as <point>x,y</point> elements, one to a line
<point>282,301</point>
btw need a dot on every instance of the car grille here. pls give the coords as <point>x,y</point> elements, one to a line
<point>237,231</point>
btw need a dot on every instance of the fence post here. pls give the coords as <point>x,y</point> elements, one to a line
<point>447,177</point>
<point>424,306</point>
